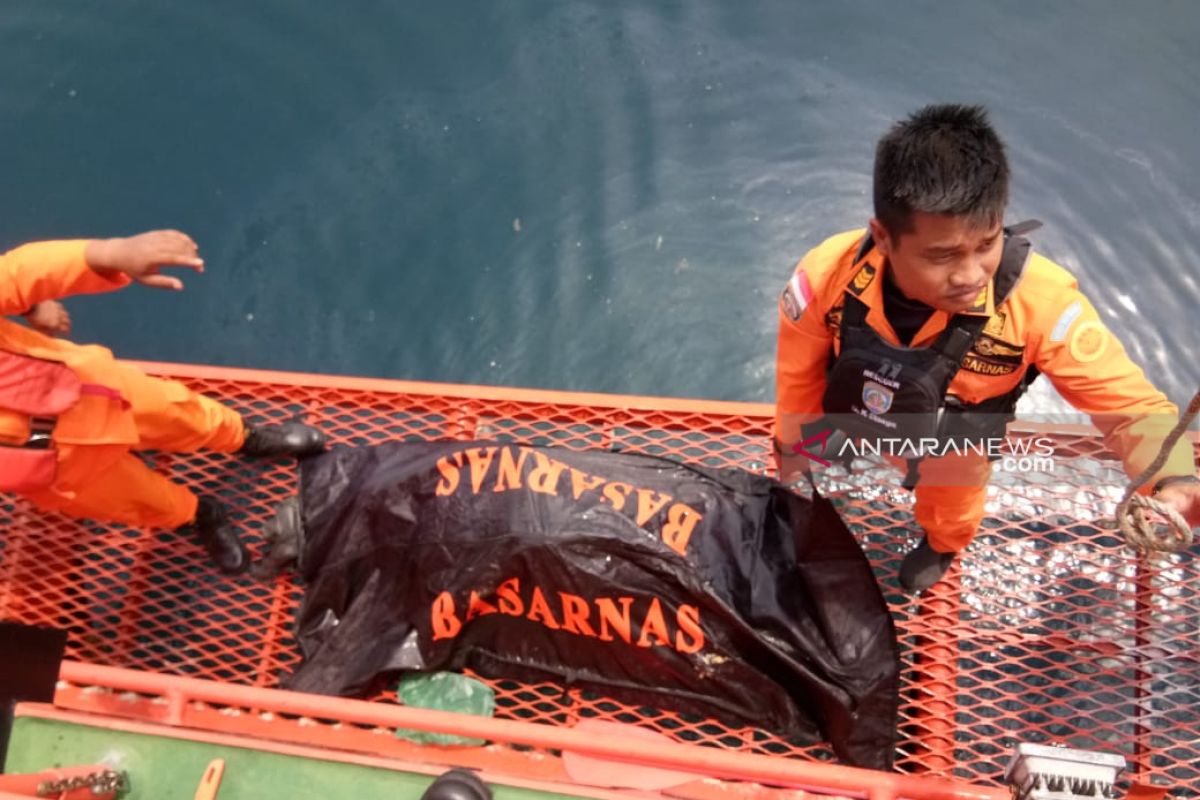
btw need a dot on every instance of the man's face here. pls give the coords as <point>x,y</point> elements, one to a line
<point>944,262</point>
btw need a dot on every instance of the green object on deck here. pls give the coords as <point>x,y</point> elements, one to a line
<point>165,768</point>
<point>445,691</point>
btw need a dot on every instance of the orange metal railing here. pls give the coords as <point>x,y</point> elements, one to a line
<point>181,696</point>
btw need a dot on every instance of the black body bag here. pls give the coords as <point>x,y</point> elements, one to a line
<point>711,592</point>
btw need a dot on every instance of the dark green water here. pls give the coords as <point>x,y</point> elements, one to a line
<point>594,196</point>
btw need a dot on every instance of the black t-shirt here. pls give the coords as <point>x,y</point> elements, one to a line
<point>906,316</point>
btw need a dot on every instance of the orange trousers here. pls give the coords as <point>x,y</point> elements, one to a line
<point>950,497</point>
<point>108,483</point>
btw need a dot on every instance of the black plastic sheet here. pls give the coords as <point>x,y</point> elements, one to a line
<point>712,592</point>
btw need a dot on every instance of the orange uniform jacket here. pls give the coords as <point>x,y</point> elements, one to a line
<point>45,271</point>
<point>97,476</point>
<point>1045,321</point>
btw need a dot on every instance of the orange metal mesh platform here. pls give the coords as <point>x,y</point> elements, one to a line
<point>1051,631</point>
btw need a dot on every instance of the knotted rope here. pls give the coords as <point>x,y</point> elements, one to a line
<point>1137,528</point>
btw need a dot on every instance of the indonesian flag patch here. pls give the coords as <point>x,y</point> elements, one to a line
<point>796,296</point>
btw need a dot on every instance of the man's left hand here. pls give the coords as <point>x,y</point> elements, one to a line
<point>49,317</point>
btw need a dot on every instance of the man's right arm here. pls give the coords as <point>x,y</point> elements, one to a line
<point>42,271</point>
<point>1091,370</point>
<point>803,351</point>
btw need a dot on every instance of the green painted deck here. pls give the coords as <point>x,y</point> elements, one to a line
<point>162,768</point>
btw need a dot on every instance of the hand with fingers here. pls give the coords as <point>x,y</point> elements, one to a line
<point>49,317</point>
<point>141,257</point>
<point>1185,498</point>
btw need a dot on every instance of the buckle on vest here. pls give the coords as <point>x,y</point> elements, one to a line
<point>40,430</point>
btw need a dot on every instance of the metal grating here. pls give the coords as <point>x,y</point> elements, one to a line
<point>1051,631</point>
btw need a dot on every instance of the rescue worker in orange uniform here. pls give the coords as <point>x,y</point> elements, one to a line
<point>71,415</point>
<point>929,325</point>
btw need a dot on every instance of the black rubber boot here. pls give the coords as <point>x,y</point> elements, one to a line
<point>219,537</point>
<point>458,784</point>
<point>284,538</point>
<point>923,567</point>
<point>292,438</point>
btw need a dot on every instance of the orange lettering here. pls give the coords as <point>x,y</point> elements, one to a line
<point>688,620</point>
<point>616,493</point>
<point>581,482</point>
<point>649,504</point>
<point>618,619</point>
<point>449,481</point>
<point>539,609</point>
<point>480,458</point>
<point>544,477</point>
<point>510,597</point>
<point>654,625</point>
<point>510,471</point>
<point>681,521</point>
<point>445,624</point>
<point>575,614</point>
<point>478,607</point>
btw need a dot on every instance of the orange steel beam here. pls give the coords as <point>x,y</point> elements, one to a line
<point>766,411</point>
<point>494,393</point>
<point>705,761</point>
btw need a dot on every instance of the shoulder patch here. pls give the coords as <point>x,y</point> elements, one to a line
<point>1068,316</point>
<point>796,296</point>
<point>862,279</point>
<point>790,308</point>
<point>1089,342</point>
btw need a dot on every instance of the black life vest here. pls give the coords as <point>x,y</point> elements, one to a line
<point>878,390</point>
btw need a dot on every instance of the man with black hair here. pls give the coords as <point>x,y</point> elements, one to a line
<point>923,330</point>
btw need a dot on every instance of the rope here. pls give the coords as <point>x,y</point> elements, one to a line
<point>1138,530</point>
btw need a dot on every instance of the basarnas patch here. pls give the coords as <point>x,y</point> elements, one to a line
<point>988,366</point>
<point>1088,342</point>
